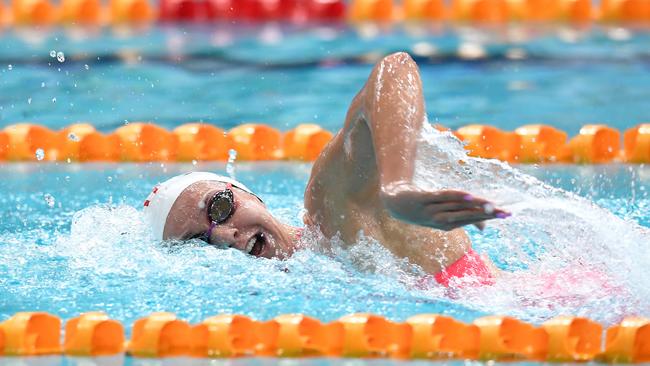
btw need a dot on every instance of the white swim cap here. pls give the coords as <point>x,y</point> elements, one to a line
<point>162,197</point>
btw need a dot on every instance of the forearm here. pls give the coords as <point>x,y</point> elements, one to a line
<point>393,108</point>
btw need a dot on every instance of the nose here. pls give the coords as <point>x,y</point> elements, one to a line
<point>223,234</point>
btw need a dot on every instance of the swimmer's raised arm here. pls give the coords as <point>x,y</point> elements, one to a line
<point>392,104</point>
<point>379,144</point>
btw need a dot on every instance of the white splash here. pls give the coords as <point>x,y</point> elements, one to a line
<point>576,256</point>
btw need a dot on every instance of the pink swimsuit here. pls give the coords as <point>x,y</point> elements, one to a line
<point>469,265</point>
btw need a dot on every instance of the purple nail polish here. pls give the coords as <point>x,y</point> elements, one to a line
<point>468,197</point>
<point>503,215</point>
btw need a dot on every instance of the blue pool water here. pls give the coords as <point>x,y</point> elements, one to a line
<point>72,238</point>
<point>228,75</point>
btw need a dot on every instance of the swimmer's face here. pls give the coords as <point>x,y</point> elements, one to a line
<point>250,228</point>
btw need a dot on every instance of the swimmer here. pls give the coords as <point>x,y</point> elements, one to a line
<point>361,182</point>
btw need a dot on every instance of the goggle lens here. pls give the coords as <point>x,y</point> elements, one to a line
<point>221,207</point>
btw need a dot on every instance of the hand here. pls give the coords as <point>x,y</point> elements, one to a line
<point>443,210</point>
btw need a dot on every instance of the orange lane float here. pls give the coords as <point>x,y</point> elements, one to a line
<point>4,145</point>
<point>93,334</point>
<point>636,143</point>
<point>28,141</point>
<point>367,335</point>
<point>70,139</point>
<point>572,339</point>
<point>81,12</point>
<point>633,11</point>
<point>441,337</point>
<point>490,142</point>
<point>541,10</point>
<point>256,142</point>
<point>31,334</point>
<point>628,342</point>
<point>305,142</point>
<point>142,142</point>
<point>424,9</point>
<point>371,10</point>
<point>97,146</point>
<point>595,144</point>
<point>200,141</point>
<point>160,335</point>
<point>576,11</point>
<point>504,338</point>
<point>3,16</point>
<point>131,11</point>
<point>426,336</point>
<point>33,12</point>
<point>228,336</point>
<point>297,335</point>
<point>481,11</point>
<point>541,143</point>
<point>146,142</point>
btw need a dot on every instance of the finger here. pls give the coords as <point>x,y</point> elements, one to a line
<point>471,215</point>
<point>448,196</point>
<point>480,225</point>
<point>457,205</point>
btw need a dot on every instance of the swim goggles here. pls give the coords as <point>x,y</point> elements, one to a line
<point>220,208</point>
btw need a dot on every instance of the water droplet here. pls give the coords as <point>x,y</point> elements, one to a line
<point>109,179</point>
<point>73,137</point>
<point>54,100</point>
<point>194,162</point>
<point>43,84</point>
<point>40,154</point>
<point>60,57</point>
<point>10,67</point>
<point>86,67</point>
<point>488,208</point>
<point>49,200</point>
<point>230,166</point>
<point>29,100</point>
<point>53,53</point>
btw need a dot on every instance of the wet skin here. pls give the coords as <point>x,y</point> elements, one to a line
<point>361,182</point>
<point>250,220</point>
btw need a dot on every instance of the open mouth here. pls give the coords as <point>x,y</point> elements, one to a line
<point>256,244</point>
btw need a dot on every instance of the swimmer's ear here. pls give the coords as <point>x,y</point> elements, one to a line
<point>480,225</point>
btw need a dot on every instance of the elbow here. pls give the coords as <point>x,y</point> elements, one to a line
<point>396,62</point>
